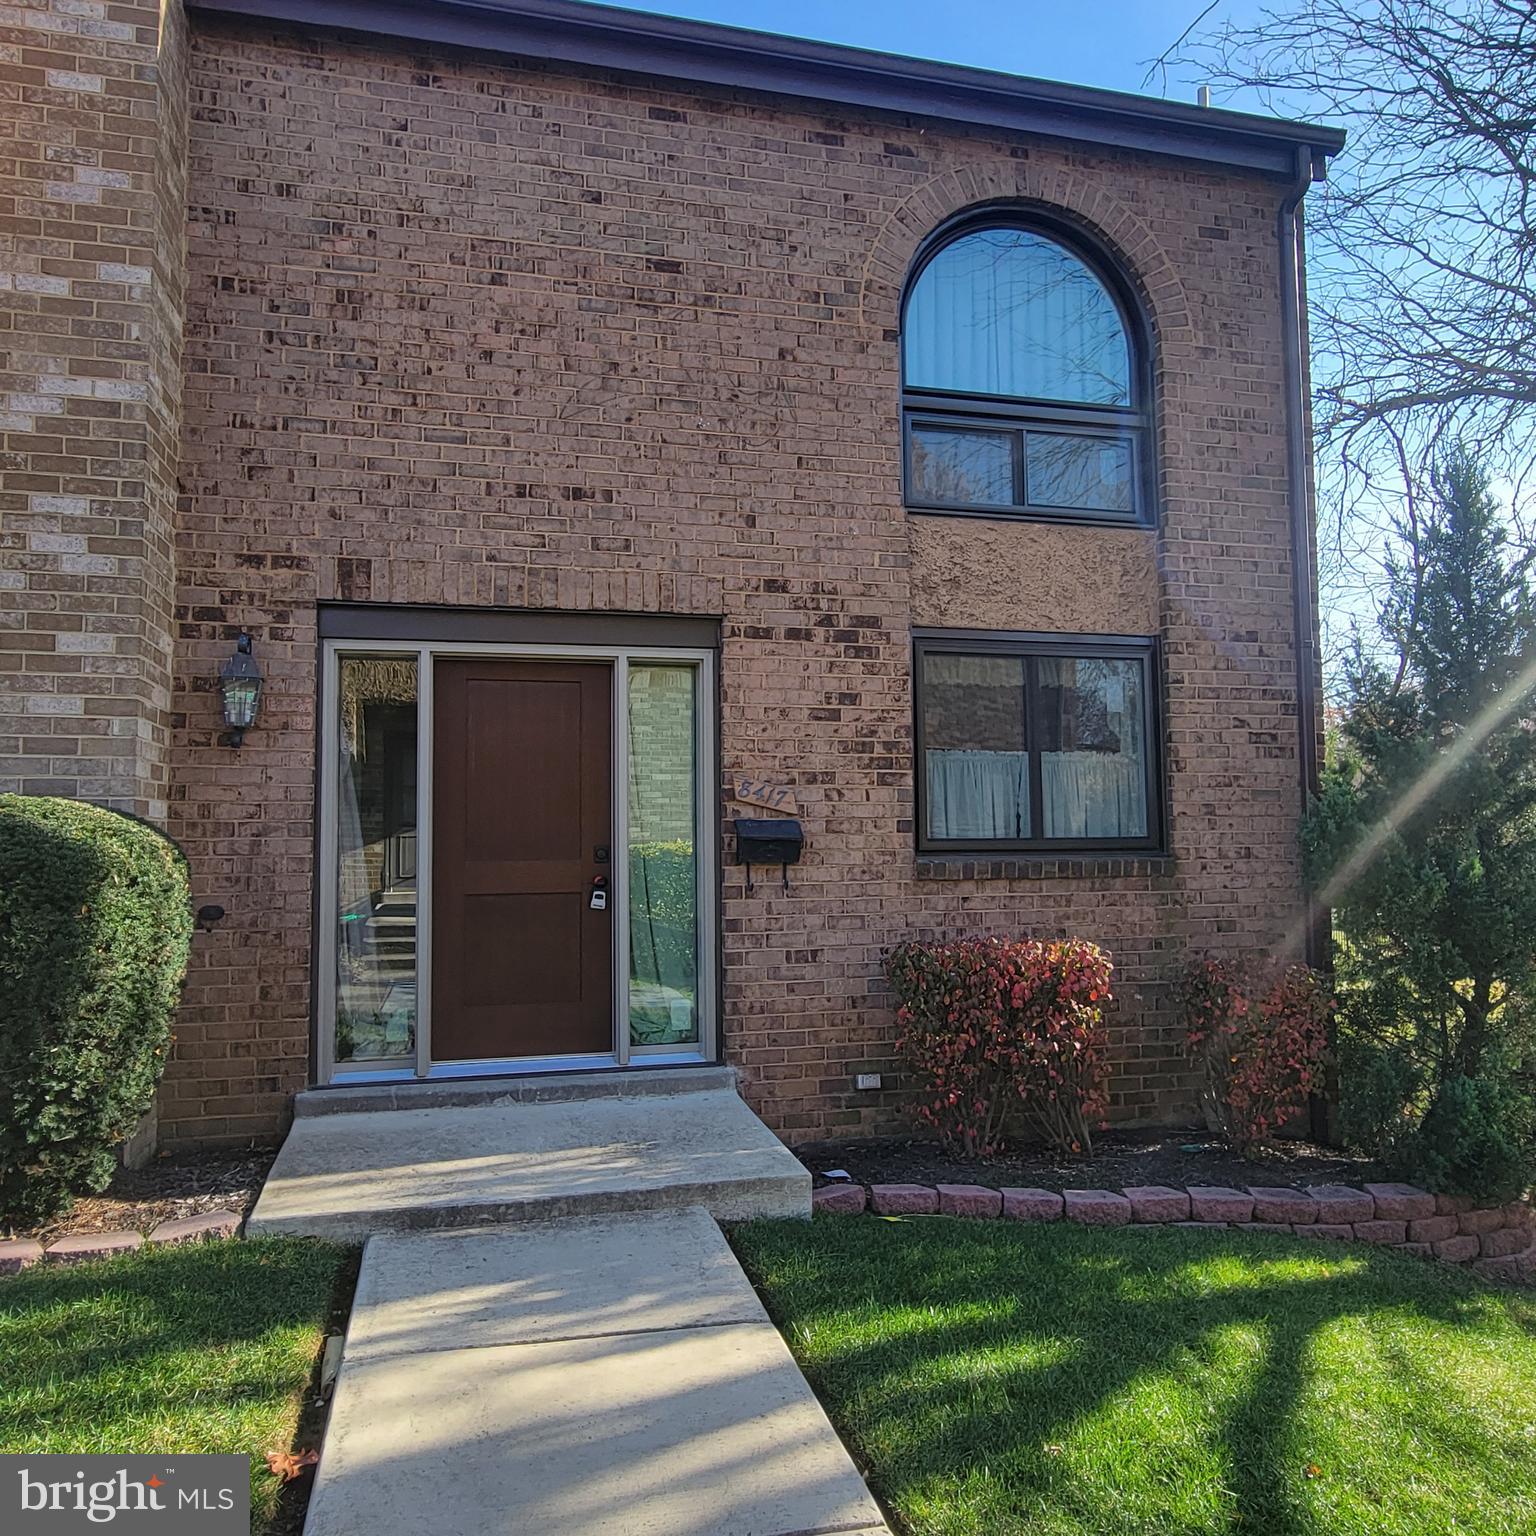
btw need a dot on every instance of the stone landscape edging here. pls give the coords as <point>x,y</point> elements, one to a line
<point>19,1253</point>
<point>1497,1242</point>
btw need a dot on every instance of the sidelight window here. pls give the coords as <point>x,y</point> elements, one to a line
<point>376,874</point>
<point>663,863</point>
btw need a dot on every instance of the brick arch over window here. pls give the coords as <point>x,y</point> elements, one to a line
<point>1137,251</point>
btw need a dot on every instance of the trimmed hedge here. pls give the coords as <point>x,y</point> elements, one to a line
<point>95,927</point>
<point>994,1028</point>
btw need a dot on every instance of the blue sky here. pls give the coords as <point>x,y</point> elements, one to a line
<point>1108,43</point>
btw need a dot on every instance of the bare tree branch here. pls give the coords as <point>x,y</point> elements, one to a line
<point>1421,247</point>
<point>1159,65</point>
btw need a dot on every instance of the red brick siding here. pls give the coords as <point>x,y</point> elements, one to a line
<point>93,166</point>
<point>463,331</point>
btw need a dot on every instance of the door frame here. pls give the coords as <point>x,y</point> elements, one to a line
<point>706,845</point>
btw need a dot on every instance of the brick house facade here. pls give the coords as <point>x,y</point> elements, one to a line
<point>472,327</point>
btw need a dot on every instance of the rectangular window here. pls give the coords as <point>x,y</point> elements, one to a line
<point>964,466</point>
<point>1036,742</point>
<point>1078,472</point>
<point>1074,471</point>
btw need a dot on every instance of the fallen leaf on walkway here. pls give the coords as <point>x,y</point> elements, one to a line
<point>288,1464</point>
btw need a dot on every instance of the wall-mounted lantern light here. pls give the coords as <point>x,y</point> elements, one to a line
<point>240,688</point>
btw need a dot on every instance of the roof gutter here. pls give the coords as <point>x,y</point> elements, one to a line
<point>606,37</point>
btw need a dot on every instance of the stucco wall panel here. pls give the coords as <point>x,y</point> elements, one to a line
<point>969,573</point>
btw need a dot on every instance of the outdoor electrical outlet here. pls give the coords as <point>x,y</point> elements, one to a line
<point>866,1080</point>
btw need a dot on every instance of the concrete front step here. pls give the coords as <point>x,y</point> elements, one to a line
<point>509,1159</point>
<point>545,1088</point>
<point>606,1377</point>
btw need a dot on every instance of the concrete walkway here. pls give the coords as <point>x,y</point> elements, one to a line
<point>549,1147</point>
<point>596,1376</point>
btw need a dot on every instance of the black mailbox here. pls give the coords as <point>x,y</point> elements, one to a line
<point>776,840</point>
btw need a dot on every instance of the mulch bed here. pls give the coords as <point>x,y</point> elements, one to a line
<point>139,1199</point>
<point>1121,1158</point>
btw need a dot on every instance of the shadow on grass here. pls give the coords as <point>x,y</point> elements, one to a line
<point>202,1347</point>
<point>293,1497</point>
<point>964,1357</point>
<point>76,1321</point>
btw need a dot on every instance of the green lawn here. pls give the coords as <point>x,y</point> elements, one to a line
<point>997,1378</point>
<point>201,1348</point>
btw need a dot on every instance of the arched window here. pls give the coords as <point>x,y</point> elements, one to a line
<point>1023,388</point>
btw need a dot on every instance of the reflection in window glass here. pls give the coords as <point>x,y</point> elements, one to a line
<point>966,467</point>
<point>976,762</point>
<point>1072,469</point>
<point>376,859</point>
<point>1093,748</point>
<point>1011,313</point>
<point>663,869</point>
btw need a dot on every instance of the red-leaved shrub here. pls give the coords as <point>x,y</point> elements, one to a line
<point>994,1027</point>
<point>1260,1035</point>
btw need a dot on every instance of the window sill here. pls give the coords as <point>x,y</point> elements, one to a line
<point>1135,522</point>
<point>1044,866</point>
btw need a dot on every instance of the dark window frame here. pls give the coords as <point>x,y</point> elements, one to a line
<point>1016,416</point>
<point>1031,646</point>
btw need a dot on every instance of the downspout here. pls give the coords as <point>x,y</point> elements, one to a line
<point>1298,481</point>
<point>1298,449</point>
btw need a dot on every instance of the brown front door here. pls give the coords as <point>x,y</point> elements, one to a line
<point>522,807</point>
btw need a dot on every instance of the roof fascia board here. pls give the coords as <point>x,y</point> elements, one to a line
<point>605,37</point>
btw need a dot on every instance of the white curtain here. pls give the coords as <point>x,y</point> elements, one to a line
<point>1092,794</point>
<point>978,794</point>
